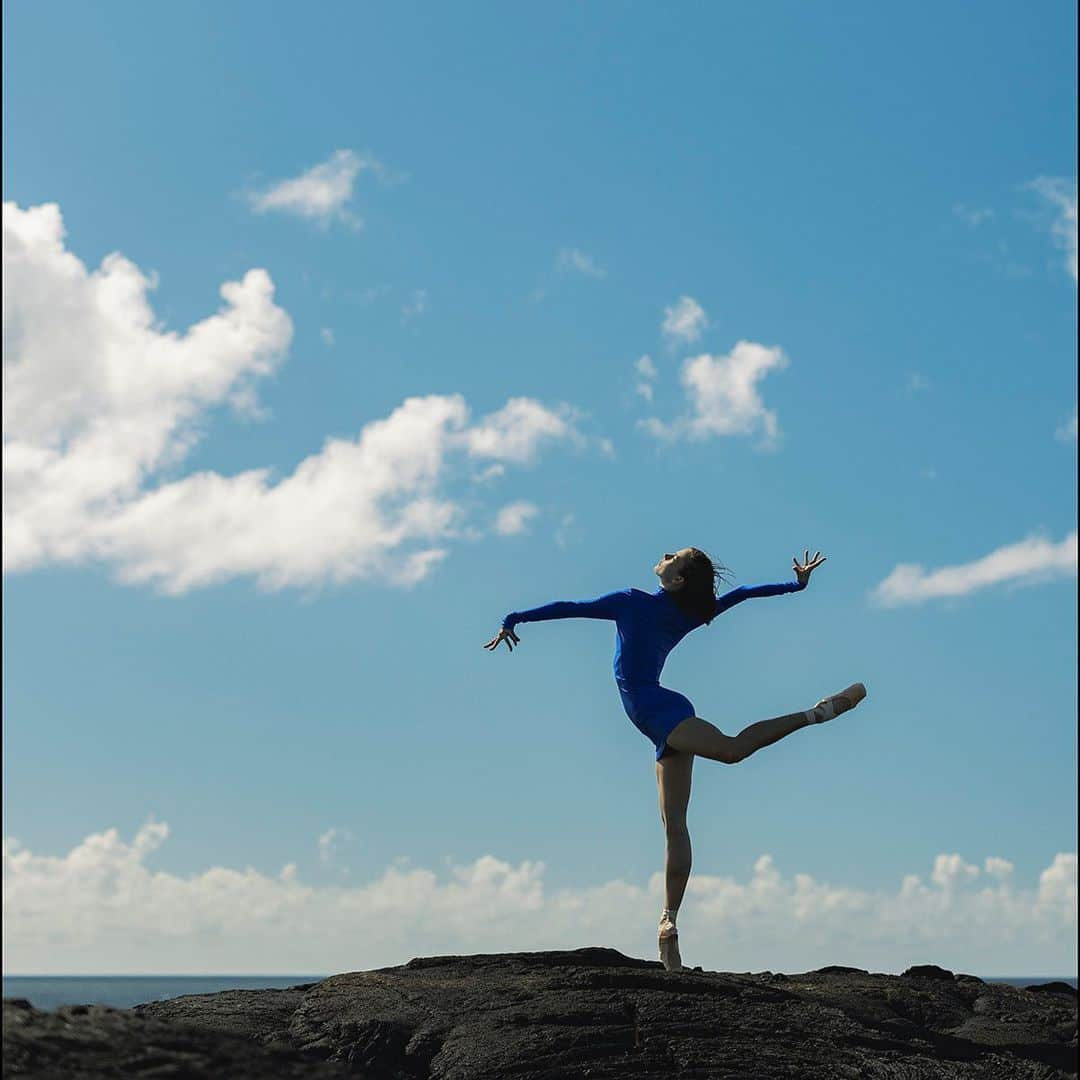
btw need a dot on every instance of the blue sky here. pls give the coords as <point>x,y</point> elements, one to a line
<point>254,539</point>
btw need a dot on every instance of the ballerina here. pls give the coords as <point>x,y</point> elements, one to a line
<point>648,626</point>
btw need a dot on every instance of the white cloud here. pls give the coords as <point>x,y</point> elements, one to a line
<point>329,845</point>
<point>973,215</point>
<point>489,473</point>
<point>998,867</point>
<point>723,396</point>
<point>327,335</point>
<point>684,320</point>
<point>646,368</point>
<point>949,870</point>
<point>326,845</point>
<point>574,259</point>
<point>416,306</point>
<point>516,431</point>
<point>321,193</point>
<point>1028,562</point>
<point>514,518</point>
<point>1060,192</point>
<point>1067,431</point>
<point>647,374</point>
<point>567,531</point>
<point>88,432</point>
<point>101,908</point>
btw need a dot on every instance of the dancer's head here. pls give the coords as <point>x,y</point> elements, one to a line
<point>691,576</point>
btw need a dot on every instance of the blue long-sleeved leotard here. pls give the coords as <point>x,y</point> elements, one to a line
<point>648,626</point>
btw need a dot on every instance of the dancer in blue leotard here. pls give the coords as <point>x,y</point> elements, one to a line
<point>648,626</point>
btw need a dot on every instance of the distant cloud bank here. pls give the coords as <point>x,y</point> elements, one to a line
<point>1027,562</point>
<point>91,432</point>
<point>100,908</point>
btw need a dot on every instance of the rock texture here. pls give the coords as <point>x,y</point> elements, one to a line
<point>585,1013</point>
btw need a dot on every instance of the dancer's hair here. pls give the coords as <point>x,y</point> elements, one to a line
<point>697,597</point>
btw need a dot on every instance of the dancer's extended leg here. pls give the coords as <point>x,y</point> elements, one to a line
<point>699,737</point>
<point>673,772</point>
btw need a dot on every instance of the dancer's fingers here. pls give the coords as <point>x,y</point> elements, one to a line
<point>806,556</point>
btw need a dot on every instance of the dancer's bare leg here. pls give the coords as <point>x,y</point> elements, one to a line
<point>697,736</point>
<point>673,772</point>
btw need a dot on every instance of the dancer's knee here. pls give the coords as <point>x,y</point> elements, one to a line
<point>699,737</point>
<point>727,750</point>
<point>736,751</point>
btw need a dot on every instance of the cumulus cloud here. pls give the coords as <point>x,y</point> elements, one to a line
<point>1028,562</point>
<point>1060,192</point>
<point>519,429</point>
<point>321,193</point>
<point>102,908</point>
<point>514,518</point>
<point>99,401</point>
<point>683,321</point>
<point>723,398</point>
<point>576,260</point>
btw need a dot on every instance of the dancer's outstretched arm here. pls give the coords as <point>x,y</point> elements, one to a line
<point>608,606</point>
<point>802,570</point>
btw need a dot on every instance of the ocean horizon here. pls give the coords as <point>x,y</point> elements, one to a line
<point>124,991</point>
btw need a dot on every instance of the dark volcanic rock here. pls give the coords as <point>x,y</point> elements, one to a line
<point>85,1042</point>
<point>586,1013</point>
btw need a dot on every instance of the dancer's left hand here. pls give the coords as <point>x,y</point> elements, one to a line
<point>808,565</point>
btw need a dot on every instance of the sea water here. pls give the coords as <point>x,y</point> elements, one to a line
<point>123,991</point>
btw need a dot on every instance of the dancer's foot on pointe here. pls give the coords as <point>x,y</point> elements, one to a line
<point>832,706</point>
<point>668,942</point>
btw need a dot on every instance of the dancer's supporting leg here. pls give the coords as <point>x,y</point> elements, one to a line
<point>673,773</point>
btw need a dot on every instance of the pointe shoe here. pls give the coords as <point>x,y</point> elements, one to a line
<point>668,942</point>
<point>829,707</point>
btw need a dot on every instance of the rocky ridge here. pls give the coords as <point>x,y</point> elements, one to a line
<point>589,1012</point>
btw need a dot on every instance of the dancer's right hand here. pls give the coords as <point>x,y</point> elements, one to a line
<point>508,636</point>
